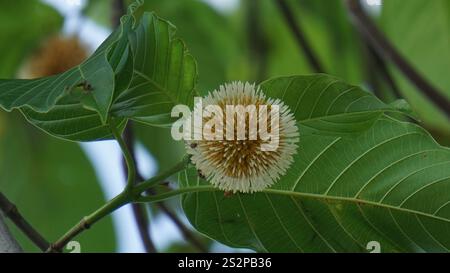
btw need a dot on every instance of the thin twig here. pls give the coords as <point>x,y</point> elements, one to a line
<point>139,211</point>
<point>188,235</point>
<point>376,69</point>
<point>300,36</point>
<point>185,231</point>
<point>10,210</point>
<point>383,69</point>
<point>385,48</point>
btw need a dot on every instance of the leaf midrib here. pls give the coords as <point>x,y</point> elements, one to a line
<point>353,200</point>
<point>372,111</point>
<point>316,196</point>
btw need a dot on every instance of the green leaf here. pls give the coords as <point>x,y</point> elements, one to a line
<point>71,121</point>
<point>390,184</point>
<point>53,185</point>
<point>164,72</point>
<point>42,94</point>
<point>326,104</point>
<point>141,71</point>
<point>420,32</point>
<point>209,35</point>
<point>74,105</point>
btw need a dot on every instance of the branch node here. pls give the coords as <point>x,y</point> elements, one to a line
<point>84,223</point>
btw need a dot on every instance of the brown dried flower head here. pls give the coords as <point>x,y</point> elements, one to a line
<point>56,55</point>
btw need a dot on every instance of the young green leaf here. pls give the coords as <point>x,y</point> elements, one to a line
<point>164,72</point>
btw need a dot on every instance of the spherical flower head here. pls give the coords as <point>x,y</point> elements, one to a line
<point>245,165</point>
<point>57,55</point>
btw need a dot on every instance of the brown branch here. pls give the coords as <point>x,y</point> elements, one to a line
<point>10,210</point>
<point>185,231</point>
<point>118,9</point>
<point>299,36</point>
<point>376,70</point>
<point>369,30</point>
<point>383,69</point>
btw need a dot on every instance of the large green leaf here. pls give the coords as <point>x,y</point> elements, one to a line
<point>325,103</point>
<point>420,32</point>
<point>52,184</point>
<point>75,104</point>
<point>391,184</point>
<point>69,120</point>
<point>141,71</point>
<point>42,94</point>
<point>164,72</point>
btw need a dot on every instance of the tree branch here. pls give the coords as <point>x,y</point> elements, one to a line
<point>139,211</point>
<point>369,30</point>
<point>299,36</point>
<point>375,63</point>
<point>10,210</point>
<point>383,69</point>
<point>88,221</point>
<point>188,235</point>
